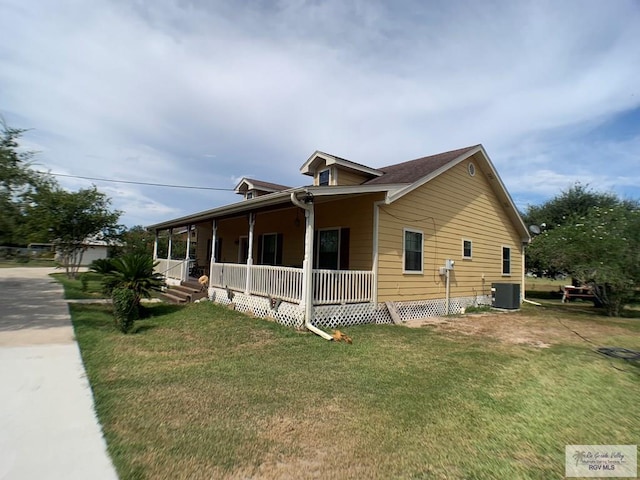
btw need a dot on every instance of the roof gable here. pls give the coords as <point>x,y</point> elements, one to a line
<point>433,166</point>
<point>251,184</point>
<point>318,157</point>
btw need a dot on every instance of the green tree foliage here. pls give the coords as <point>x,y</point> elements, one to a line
<point>136,239</point>
<point>16,178</point>
<point>561,210</point>
<point>70,219</point>
<point>600,248</point>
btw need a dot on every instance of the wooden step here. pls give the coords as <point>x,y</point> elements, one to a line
<point>184,293</point>
<point>169,297</point>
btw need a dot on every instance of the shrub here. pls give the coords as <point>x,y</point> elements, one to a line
<point>84,282</point>
<point>125,308</point>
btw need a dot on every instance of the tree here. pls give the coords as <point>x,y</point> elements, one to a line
<point>16,178</point>
<point>577,201</point>
<point>136,239</point>
<point>70,219</point>
<point>600,248</point>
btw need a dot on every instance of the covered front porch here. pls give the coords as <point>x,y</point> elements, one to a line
<point>307,253</point>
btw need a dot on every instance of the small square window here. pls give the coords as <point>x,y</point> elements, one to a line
<point>249,195</point>
<point>506,260</point>
<point>323,177</point>
<point>466,249</point>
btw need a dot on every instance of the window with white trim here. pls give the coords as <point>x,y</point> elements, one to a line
<point>506,260</point>
<point>412,251</point>
<point>466,248</point>
<point>323,177</point>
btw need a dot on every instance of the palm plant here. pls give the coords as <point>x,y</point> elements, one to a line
<point>134,271</point>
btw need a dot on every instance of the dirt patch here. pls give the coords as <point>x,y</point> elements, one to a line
<point>521,329</point>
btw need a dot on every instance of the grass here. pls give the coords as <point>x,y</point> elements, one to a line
<point>204,392</point>
<point>73,289</point>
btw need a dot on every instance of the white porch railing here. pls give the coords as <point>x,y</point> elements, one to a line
<point>176,269</point>
<point>229,275</point>
<point>277,282</point>
<point>341,286</point>
<point>330,286</point>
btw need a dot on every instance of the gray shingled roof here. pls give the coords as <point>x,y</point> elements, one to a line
<point>267,185</point>
<point>409,172</point>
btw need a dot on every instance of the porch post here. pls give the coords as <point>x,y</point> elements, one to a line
<point>155,247</point>
<point>252,222</point>
<point>214,234</point>
<point>187,254</point>
<point>307,264</point>
<point>170,243</point>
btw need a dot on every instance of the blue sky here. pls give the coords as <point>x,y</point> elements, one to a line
<point>203,93</point>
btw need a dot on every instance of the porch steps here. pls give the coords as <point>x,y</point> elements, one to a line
<point>186,292</point>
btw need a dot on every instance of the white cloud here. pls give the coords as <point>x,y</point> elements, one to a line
<point>198,92</point>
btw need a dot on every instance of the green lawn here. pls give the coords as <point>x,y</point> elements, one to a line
<point>74,290</point>
<point>200,391</point>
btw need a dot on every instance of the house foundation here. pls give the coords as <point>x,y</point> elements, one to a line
<point>344,315</point>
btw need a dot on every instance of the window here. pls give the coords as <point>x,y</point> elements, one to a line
<point>466,249</point>
<point>328,248</point>
<point>506,260</point>
<point>323,177</point>
<point>471,169</point>
<point>269,249</point>
<point>243,249</point>
<point>249,195</point>
<point>331,248</point>
<point>412,251</point>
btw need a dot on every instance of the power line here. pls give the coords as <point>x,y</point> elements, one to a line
<point>149,184</point>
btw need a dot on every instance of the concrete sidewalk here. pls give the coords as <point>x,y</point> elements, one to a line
<point>48,427</point>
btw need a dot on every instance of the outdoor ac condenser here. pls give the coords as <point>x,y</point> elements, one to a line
<point>505,295</point>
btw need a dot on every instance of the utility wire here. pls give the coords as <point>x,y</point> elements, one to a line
<point>139,183</point>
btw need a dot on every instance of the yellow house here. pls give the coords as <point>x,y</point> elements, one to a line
<point>359,244</point>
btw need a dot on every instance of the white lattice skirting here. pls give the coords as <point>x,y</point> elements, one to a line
<point>438,307</point>
<point>333,316</point>
<point>289,314</point>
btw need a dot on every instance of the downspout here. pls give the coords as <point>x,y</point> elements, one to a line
<point>307,267</point>
<point>376,226</point>
<point>252,223</point>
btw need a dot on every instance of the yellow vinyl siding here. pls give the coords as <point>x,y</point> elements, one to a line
<point>282,221</point>
<point>447,209</point>
<point>230,230</point>
<point>355,213</point>
<point>279,221</point>
<point>348,177</point>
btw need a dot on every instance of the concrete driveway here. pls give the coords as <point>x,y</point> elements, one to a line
<point>48,427</point>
